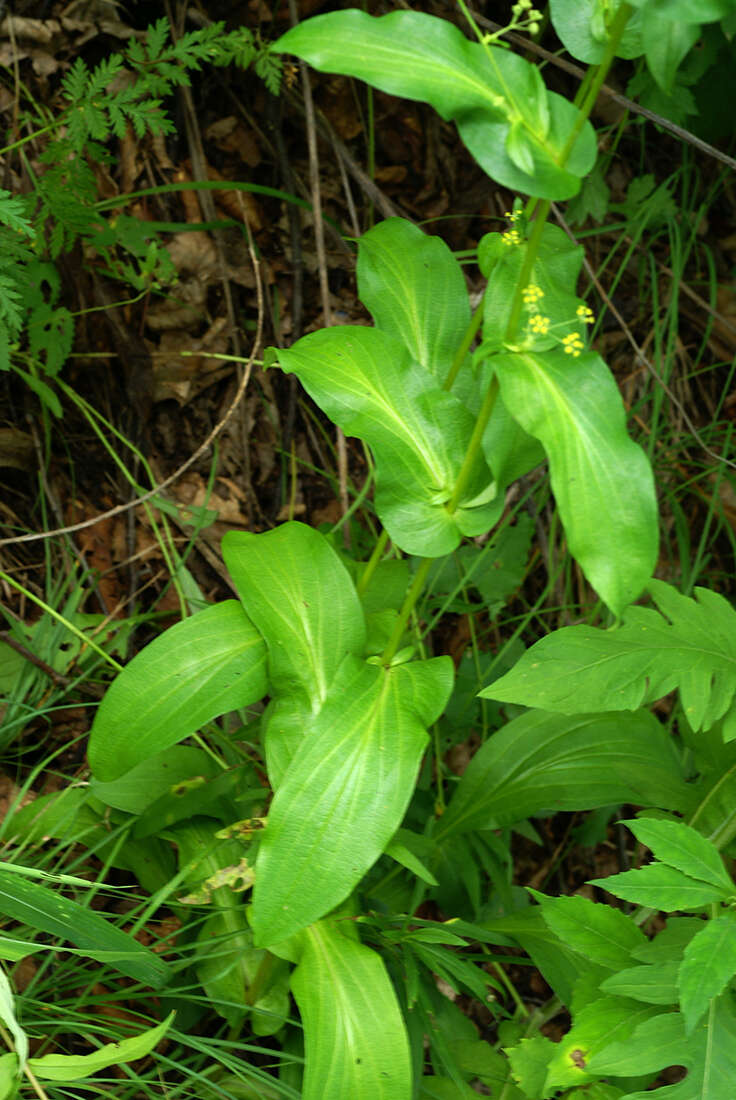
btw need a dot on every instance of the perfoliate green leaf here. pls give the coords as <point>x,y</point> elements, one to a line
<point>415,290</point>
<point>345,793</point>
<point>543,762</point>
<point>302,600</point>
<point>600,933</point>
<point>204,666</point>
<point>709,1055</point>
<point>554,276</point>
<point>688,11</point>
<point>661,887</point>
<point>667,41</point>
<point>582,26</point>
<point>419,56</point>
<point>143,785</point>
<point>48,911</point>
<point>689,644</point>
<point>602,481</point>
<point>366,381</point>
<point>675,843</point>
<point>354,1035</point>
<point>708,965</point>
<point>75,1067</point>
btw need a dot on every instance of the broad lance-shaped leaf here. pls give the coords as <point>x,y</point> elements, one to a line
<point>512,125</point>
<point>709,1055</point>
<point>602,481</point>
<point>355,1040</point>
<point>366,382</point>
<point>48,911</point>
<point>345,793</point>
<point>543,762</point>
<point>415,290</point>
<point>204,666</point>
<point>690,644</point>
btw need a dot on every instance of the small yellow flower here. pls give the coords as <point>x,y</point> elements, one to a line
<point>572,344</point>
<point>511,236</point>
<point>512,215</point>
<point>539,324</point>
<point>532,295</point>
<point>585,313</point>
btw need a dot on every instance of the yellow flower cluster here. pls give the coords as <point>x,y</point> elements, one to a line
<point>572,344</point>
<point>511,236</point>
<point>539,324</point>
<point>585,313</point>
<point>532,296</point>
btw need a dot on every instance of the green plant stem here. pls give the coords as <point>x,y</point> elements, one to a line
<point>371,564</point>
<point>532,248</point>
<point>474,446</point>
<point>407,607</point>
<point>462,351</point>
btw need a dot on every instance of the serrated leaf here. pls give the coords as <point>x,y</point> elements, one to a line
<point>207,665</point>
<point>709,1055</point>
<point>708,965</point>
<point>599,1023</point>
<point>354,1035</point>
<point>366,382</point>
<point>689,645</point>
<point>75,1067</point>
<point>655,984</point>
<point>48,911</point>
<point>419,56</point>
<point>601,479</point>
<point>50,336</point>
<point>301,598</point>
<point>529,1061</point>
<point>602,934</point>
<point>344,795</point>
<point>675,843</point>
<point>543,762</point>
<point>661,887</point>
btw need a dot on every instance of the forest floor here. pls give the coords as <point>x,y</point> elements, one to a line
<point>162,394</point>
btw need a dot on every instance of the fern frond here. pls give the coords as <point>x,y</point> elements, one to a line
<point>270,69</point>
<point>15,214</point>
<point>688,645</point>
